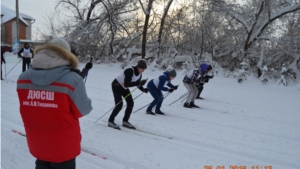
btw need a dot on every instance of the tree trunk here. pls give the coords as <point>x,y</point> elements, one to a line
<point>147,13</point>
<point>162,25</point>
<point>261,59</point>
<point>144,41</point>
<point>202,46</point>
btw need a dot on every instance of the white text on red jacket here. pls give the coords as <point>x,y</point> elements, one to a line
<point>40,95</point>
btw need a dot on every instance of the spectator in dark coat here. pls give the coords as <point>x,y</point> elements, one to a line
<point>4,48</point>
<point>26,51</point>
<point>86,69</point>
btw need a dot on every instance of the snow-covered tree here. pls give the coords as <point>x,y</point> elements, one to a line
<point>170,67</point>
<point>256,17</point>
<point>243,72</point>
<point>154,65</point>
<point>185,67</point>
<point>264,32</point>
<point>283,74</point>
<point>264,77</point>
<point>93,25</point>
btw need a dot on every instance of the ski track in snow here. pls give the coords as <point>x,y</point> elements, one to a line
<point>237,125</point>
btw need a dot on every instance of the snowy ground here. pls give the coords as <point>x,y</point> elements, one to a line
<point>247,124</point>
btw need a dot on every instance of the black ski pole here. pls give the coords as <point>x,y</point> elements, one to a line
<point>133,99</point>
<point>117,104</point>
<point>165,96</point>
<point>145,106</point>
<point>12,68</point>
<point>120,101</point>
<point>5,70</point>
<point>142,108</point>
<point>86,76</point>
<point>88,71</point>
<point>184,98</point>
<point>180,98</point>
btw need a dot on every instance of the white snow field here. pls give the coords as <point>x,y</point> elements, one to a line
<point>239,126</point>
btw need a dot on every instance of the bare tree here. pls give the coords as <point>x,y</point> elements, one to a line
<point>147,17</point>
<point>256,17</point>
<point>163,18</point>
<point>256,23</point>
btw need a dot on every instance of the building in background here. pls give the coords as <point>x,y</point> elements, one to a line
<point>9,26</point>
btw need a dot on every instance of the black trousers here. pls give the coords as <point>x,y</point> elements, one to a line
<point>200,88</point>
<point>1,71</point>
<point>26,61</point>
<point>40,164</point>
<point>118,92</point>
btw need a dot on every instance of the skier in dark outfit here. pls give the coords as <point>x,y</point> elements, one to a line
<point>205,79</point>
<point>26,56</point>
<point>2,61</point>
<point>155,87</point>
<point>86,69</point>
<point>4,48</point>
<point>129,78</point>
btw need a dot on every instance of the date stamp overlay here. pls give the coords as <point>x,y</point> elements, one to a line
<point>238,167</point>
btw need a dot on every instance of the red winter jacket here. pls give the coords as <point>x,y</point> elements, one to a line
<point>52,98</point>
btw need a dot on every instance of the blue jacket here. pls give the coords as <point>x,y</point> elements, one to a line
<point>162,80</point>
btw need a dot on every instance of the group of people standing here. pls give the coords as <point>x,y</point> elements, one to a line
<point>52,98</point>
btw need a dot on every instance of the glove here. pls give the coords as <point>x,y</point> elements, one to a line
<point>142,82</point>
<point>175,87</point>
<point>89,65</point>
<point>210,77</point>
<point>170,90</point>
<point>145,90</point>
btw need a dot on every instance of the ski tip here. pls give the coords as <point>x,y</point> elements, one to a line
<point>15,131</point>
<point>115,128</point>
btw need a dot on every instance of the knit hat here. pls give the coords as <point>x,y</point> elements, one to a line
<point>172,73</point>
<point>61,43</point>
<point>26,46</point>
<point>209,68</point>
<point>142,64</point>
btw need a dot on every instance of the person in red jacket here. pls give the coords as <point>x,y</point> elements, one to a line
<point>52,98</point>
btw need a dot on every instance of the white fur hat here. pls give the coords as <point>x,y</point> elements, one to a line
<point>61,42</point>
